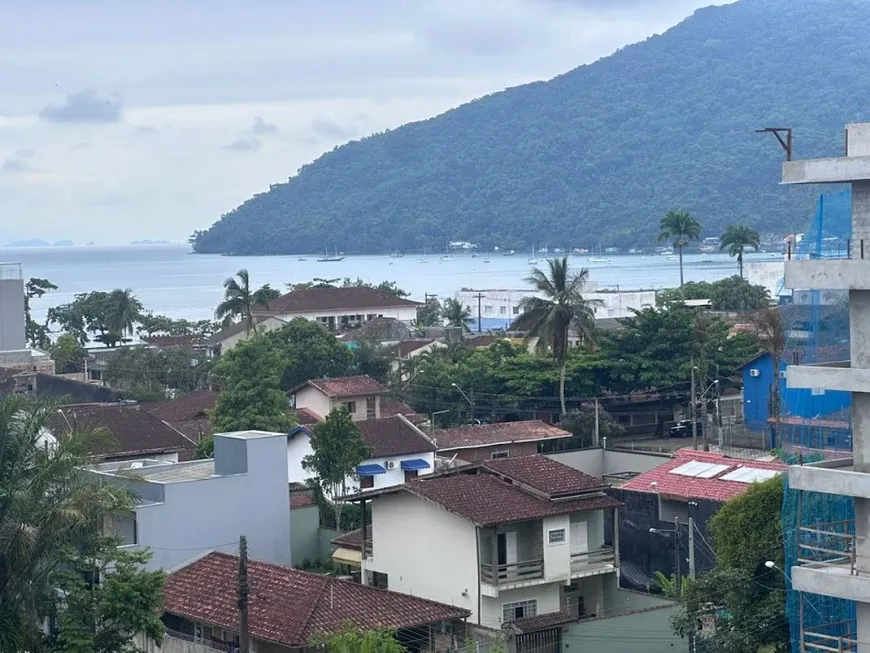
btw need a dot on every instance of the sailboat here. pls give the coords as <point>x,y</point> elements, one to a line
<point>597,258</point>
<point>446,256</point>
<point>326,258</point>
<point>424,259</point>
<point>533,260</point>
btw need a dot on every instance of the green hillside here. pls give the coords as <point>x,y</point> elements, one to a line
<point>599,153</point>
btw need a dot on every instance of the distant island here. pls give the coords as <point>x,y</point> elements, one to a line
<point>151,242</point>
<point>64,243</point>
<point>595,157</point>
<point>30,242</point>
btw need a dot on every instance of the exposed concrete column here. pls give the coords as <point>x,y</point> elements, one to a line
<point>863,619</point>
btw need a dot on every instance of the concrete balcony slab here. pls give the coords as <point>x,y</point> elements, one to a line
<point>828,274</point>
<point>826,171</point>
<point>842,481</point>
<point>830,376</point>
<point>832,580</point>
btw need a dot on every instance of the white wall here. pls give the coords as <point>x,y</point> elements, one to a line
<point>403,313</point>
<point>557,557</point>
<point>504,304</point>
<point>492,609</point>
<point>298,447</point>
<point>418,562</point>
<point>211,514</point>
<point>314,399</point>
<point>266,325</point>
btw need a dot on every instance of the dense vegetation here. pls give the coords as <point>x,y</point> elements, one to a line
<point>601,152</point>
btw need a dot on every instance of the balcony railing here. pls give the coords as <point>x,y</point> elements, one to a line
<point>516,572</point>
<point>850,249</point>
<point>592,559</point>
<point>828,543</point>
<point>838,637</point>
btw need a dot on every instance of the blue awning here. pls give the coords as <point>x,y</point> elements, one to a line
<point>370,470</point>
<point>414,465</point>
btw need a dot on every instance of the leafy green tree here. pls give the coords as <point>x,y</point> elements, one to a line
<point>560,312</point>
<point>680,228</point>
<point>737,238</point>
<point>773,338</point>
<point>160,325</point>
<point>372,359</point>
<point>581,423</point>
<point>385,287</point>
<point>352,640</point>
<point>100,316</point>
<point>337,448</point>
<point>149,374</point>
<point>748,597</point>
<point>240,301</point>
<point>251,397</point>
<point>456,314</point>
<point>123,311</point>
<point>48,514</point>
<point>309,351</point>
<point>729,294</point>
<point>37,334</point>
<point>429,314</point>
<point>68,355</point>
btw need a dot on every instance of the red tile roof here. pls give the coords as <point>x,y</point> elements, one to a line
<point>305,300</point>
<point>345,386</point>
<point>390,407</point>
<point>393,436</point>
<point>484,435</point>
<point>487,500</point>
<point>131,430</point>
<point>307,417</point>
<point>288,606</point>
<point>545,475</point>
<point>185,408</point>
<point>539,622</point>
<point>352,539</point>
<point>407,346</point>
<point>661,481</point>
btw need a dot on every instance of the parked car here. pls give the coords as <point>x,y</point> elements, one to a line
<point>683,429</point>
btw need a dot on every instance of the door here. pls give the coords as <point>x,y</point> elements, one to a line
<point>579,543</point>
<point>507,554</point>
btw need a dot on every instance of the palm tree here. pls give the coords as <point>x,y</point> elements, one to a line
<point>456,314</point>
<point>122,312</point>
<point>239,301</point>
<point>738,237</point>
<point>682,228</point>
<point>560,310</point>
<point>47,507</point>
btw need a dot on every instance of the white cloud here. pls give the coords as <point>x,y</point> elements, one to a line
<point>263,127</point>
<point>84,106</point>
<point>245,144</point>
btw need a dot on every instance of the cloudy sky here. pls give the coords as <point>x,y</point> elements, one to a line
<point>124,120</point>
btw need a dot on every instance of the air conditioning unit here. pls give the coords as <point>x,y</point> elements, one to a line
<point>782,374</point>
<point>754,372</point>
<point>391,464</point>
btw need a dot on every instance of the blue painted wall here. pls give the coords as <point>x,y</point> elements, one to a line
<point>797,402</point>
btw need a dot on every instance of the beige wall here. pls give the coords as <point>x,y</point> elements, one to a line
<point>314,399</point>
<point>485,453</point>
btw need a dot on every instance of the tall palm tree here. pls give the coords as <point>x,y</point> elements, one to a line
<point>239,301</point>
<point>456,314</point>
<point>47,505</point>
<point>122,312</point>
<point>559,310</point>
<point>738,237</point>
<point>681,228</point>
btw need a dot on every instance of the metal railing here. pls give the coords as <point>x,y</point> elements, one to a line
<point>816,640</point>
<point>592,559</point>
<point>828,543</point>
<point>850,249</point>
<point>513,573</point>
<point>205,642</point>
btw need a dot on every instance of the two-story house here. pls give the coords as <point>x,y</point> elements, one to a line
<point>492,441</point>
<point>361,395</point>
<point>187,508</point>
<point>517,541</point>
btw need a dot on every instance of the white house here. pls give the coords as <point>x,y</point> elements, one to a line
<point>510,540</point>
<point>228,337</point>
<point>361,395</point>
<point>336,308</point>
<point>189,508</point>
<point>400,452</point>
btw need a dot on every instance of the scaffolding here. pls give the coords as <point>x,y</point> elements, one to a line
<point>815,425</point>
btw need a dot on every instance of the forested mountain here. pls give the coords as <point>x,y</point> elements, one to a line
<point>601,152</point>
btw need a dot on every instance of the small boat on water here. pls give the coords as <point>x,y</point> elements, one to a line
<point>330,258</point>
<point>706,258</point>
<point>302,258</point>
<point>673,257</point>
<point>508,253</point>
<point>533,260</point>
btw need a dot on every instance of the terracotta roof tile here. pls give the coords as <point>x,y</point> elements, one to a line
<point>661,481</point>
<point>487,500</point>
<point>187,407</point>
<point>305,300</point>
<point>288,606</point>
<point>407,346</point>
<point>307,417</point>
<point>132,429</point>
<point>345,386</point>
<point>539,622</point>
<point>486,435</point>
<point>390,407</point>
<point>545,474</point>
<point>352,539</point>
<point>393,436</point>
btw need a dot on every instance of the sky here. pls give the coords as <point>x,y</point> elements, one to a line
<point>124,120</point>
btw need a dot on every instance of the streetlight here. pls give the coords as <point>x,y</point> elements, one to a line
<point>675,533</point>
<point>465,396</point>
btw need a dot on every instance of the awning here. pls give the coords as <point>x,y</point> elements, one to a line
<point>414,465</point>
<point>370,470</point>
<point>347,556</point>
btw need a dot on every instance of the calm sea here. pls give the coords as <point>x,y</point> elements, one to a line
<point>171,281</point>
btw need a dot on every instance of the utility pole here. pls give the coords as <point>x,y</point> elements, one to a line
<point>244,641</point>
<point>596,437</point>
<point>479,297</point>
<point>691,548</point>
<point>677,578</point>
<point>692,409</point>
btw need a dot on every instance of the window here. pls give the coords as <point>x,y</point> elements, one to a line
<point>487,309</point>
<point>380,580</point>
<point>366,482</point>
<point>499,454</point>
<point>556,536</point>
<point>519,610</point>
<point>516,310</point>
<point>410,475</point>
<point>502,310</point>
<point>371,407</point>
<point>351,407</point>
<point>818,391</point>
